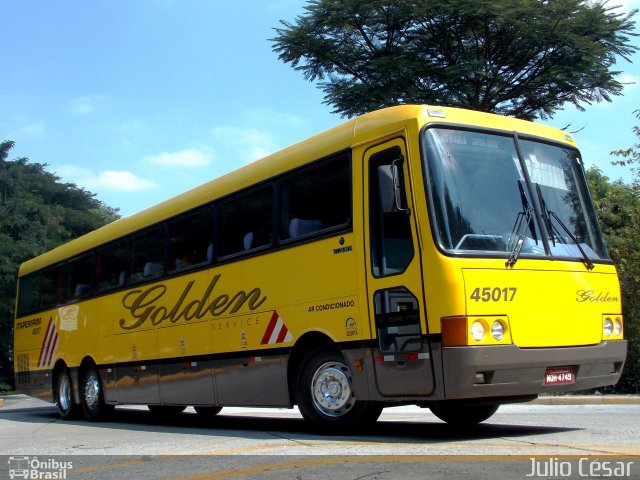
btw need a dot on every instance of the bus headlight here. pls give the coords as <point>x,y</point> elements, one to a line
<point>617,327</point>
<point>497,330</point>
<point>607,328</point>
<point>612,327</point>
<point>477,330</point>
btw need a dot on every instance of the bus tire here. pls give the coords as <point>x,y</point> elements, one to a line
<point>92,395</point>
<point>166,410</point>
<point>64,395</point>
<point>325,396</point>
<point>463,415</point>
<point>207,411</point>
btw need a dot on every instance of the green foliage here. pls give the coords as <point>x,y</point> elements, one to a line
<point>618,208</point>
<point>37,213</point>
<point>627,251</point>
<point>524,58</point>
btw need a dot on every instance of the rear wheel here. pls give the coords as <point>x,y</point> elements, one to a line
<point>325,396</point>
<point>64,395</point>
<point>463,415</point>
<point>92,396</point>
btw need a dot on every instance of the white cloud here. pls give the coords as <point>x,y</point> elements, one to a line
<point>273,117</point>
<point>256,133</point>
<point>72,172</point>
<point>190,158</point>
<point>120,180</point>
<point>32,129</point>
<point>84,105</point>
<point>247,144</point>
<point>113,180</point>
<point>624,5</point>
<point>630,82</point>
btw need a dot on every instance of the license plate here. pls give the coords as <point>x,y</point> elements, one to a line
<point>559,376</point>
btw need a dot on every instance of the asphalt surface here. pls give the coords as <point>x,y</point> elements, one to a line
<point>553,437</point>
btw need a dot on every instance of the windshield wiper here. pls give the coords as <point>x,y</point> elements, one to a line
<point>524,219</point>
<point>548,215</point>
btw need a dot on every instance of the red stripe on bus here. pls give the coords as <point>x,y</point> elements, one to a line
<point>270,327</point>
<point>45,343</point>
<point>53,348</point>
<point>283,334</point>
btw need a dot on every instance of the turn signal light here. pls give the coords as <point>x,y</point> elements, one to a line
<point>465,330</point>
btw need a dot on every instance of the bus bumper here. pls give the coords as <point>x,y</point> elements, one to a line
<point>506,370</point>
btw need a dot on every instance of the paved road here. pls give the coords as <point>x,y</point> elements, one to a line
<point>407,442</point>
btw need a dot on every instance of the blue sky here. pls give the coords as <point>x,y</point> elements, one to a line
<point>138,101</point>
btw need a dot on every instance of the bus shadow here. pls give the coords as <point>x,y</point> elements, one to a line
<point>260,427</point>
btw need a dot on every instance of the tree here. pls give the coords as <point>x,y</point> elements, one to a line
<point>524,58</point>
<point>631,158</point>
<point>619,213</point>
<point>618,208</point>
<point>37,213</point>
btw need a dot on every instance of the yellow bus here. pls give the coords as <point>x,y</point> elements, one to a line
<point>440,257</point>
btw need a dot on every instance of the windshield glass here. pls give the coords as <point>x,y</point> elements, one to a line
<point>482,203</point>
<point>558,182</point>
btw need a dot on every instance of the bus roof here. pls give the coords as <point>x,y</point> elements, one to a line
<point>350,133</point>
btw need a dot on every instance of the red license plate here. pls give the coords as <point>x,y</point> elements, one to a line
<point>559,376</point>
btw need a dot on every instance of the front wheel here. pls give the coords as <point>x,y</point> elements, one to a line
<point>92,396</point>
<point>325,396</point>
<point>463,415</point>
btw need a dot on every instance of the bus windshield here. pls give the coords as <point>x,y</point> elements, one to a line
<point>483,203</point>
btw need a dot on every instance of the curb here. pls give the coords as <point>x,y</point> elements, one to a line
<point>589,400</point>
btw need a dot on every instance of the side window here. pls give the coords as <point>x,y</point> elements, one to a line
<point>52,292</point>
<point>316,198</point>
<point>111,266</point>
<point>29,293</point>
<point>147,254</point>
<point>246,221</point>
<point>79,277</point>
<point>390,223</point>
<point>191,240</point>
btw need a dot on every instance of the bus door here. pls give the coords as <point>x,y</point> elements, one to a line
<point>403,365</point>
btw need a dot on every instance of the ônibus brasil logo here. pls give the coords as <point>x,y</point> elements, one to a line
<point>34,468</point>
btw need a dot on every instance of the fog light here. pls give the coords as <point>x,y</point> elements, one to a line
<point>497,330</point>
<point>617,327</point>
<point>477,331</point>
<point>608,327</point>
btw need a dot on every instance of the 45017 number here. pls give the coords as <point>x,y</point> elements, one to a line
<point>494,294</point>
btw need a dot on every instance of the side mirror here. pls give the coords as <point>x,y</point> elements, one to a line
<point>390,187</point>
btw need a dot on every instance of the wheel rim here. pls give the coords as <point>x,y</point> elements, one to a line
<point>92,392</point>
<point>331,389</point>
<point>64,393</point>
